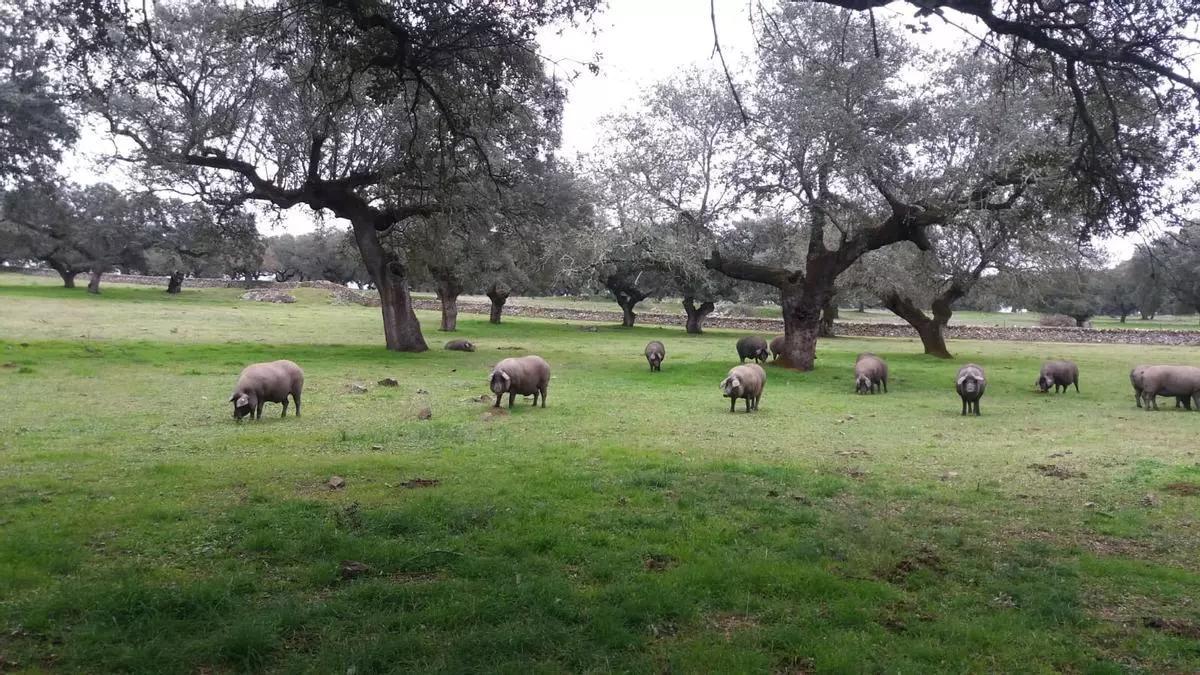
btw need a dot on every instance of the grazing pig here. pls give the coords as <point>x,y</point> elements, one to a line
<point>460,346</point>
<point>752,347</point>
<point>1177,381</point>
<point>777,347</point>
<point>1135,379</point>
<point>970,385</point>
<point>744,382</point>
<point>1058,374</point>
<point>262,383</point>
<point>655,353</point>
<point>524,375</point>
<point>870,372</point>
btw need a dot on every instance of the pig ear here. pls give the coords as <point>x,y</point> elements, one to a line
<point>232,398</point>
<point>243,400</point>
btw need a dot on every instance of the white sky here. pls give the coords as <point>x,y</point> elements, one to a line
<point>638,41</point>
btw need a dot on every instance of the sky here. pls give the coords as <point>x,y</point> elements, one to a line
<point>635,43</point>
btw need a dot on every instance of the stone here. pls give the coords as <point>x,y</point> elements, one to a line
<point>388,382</point>
<point>425,413</point>
<point>336,483</point>
<point>349,569</point>
<point>261,295</point>
<point>356,388</point>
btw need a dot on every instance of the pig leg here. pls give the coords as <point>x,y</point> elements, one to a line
<point>885,385</point>
<point>747,404</point>
<point>498,400</point>
<point>296,398</point>
<point>544,397</point>
<point>512,396</point>
<point>964,402</point>
<point>285,405</point>
<point>258,410</point>
<point>732,403</point>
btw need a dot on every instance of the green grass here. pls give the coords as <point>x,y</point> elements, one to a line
<point>633,525</point>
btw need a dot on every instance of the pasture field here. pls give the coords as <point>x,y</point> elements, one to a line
<point>634,525</point>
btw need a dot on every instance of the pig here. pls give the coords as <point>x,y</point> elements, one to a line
<point>744,382</point>
<point>1135,379</point>
<point>970,385</point>
<point>777,347</point>
<point>1058,374</point>
<point>752,347</point>
<point>870,372</point>
<point>1177,381</point>
<point>262,383</point>
<point>460,346</point>
<point>524,375</point>
<point>655,353</point>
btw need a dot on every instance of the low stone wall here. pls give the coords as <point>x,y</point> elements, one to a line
<point>762,325</point>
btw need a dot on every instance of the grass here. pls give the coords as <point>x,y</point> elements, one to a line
<point>632,525</point>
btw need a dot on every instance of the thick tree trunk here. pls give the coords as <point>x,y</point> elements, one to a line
<point>801,327</point>
<point>930,330</point>
<point>627,314</point>
<point>67,274</point>
<point>1123,315</point>
<point>94,282</point>
<point>401,330</point>
<point>696,315</point>
<point>498,298</point>
<point>68,279</point>
<point>175,283</point>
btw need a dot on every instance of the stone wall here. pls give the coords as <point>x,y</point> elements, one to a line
<point>775,326</point>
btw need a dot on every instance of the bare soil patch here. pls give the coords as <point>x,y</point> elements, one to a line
<point>1183,488</point>
<point>1057,471</point>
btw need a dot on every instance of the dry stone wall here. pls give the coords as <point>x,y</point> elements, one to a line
<point>770,326</point>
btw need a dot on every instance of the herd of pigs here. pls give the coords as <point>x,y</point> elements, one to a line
<point>274,382</point>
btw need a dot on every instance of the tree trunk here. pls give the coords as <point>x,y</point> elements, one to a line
<point>862,307</point>
<point>67,274</point>
<point>801,326</point>
<point>448,290</point>
<point>828,313</point>
<point>401,329</point>
<point>498,298</point>
<point>94,282</point>
<point>175,283</point>
<point>696,315</point>
<point>930,330</point>
<point>1123,315</point>
<point>449,310</point>
<point>627,314</point>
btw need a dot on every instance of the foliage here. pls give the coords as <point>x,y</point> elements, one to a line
<point>35,126</point>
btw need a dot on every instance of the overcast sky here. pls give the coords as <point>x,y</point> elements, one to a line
<point>638,42</point>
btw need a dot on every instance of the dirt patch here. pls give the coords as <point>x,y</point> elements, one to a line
<point>1176,627</point>
<point>1057,471</point>
<point>510,348</point>
<point>795,665</point>
<point>856,473</point>
<point>659,562</point>
<point>728,624</point>
<point>926,558</point>
<point>1183,489</point>
<point>421,483</point>
<point>1115,546</point>
<point>494,413</point>
<point>415,577</point>
<point>350,569</point>
<point>853,452</point>
<point>10,364</point>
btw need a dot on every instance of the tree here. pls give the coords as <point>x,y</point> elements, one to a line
<point>1147,277</point>
<point>1073,291</point>
<point>368,111</point>
<point>195,239</point>
<point>1097,54</point>
<point>868,157</point>
<point>1117,288</point>
<point>34,125</point>
<point>92,229</point>
<point>669,168</point>
<point>1178,255</point>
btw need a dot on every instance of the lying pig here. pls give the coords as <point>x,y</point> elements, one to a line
<point>524,375</point>
<point>777,347</point>
<point>262,383</point>
<point>460,346</point>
